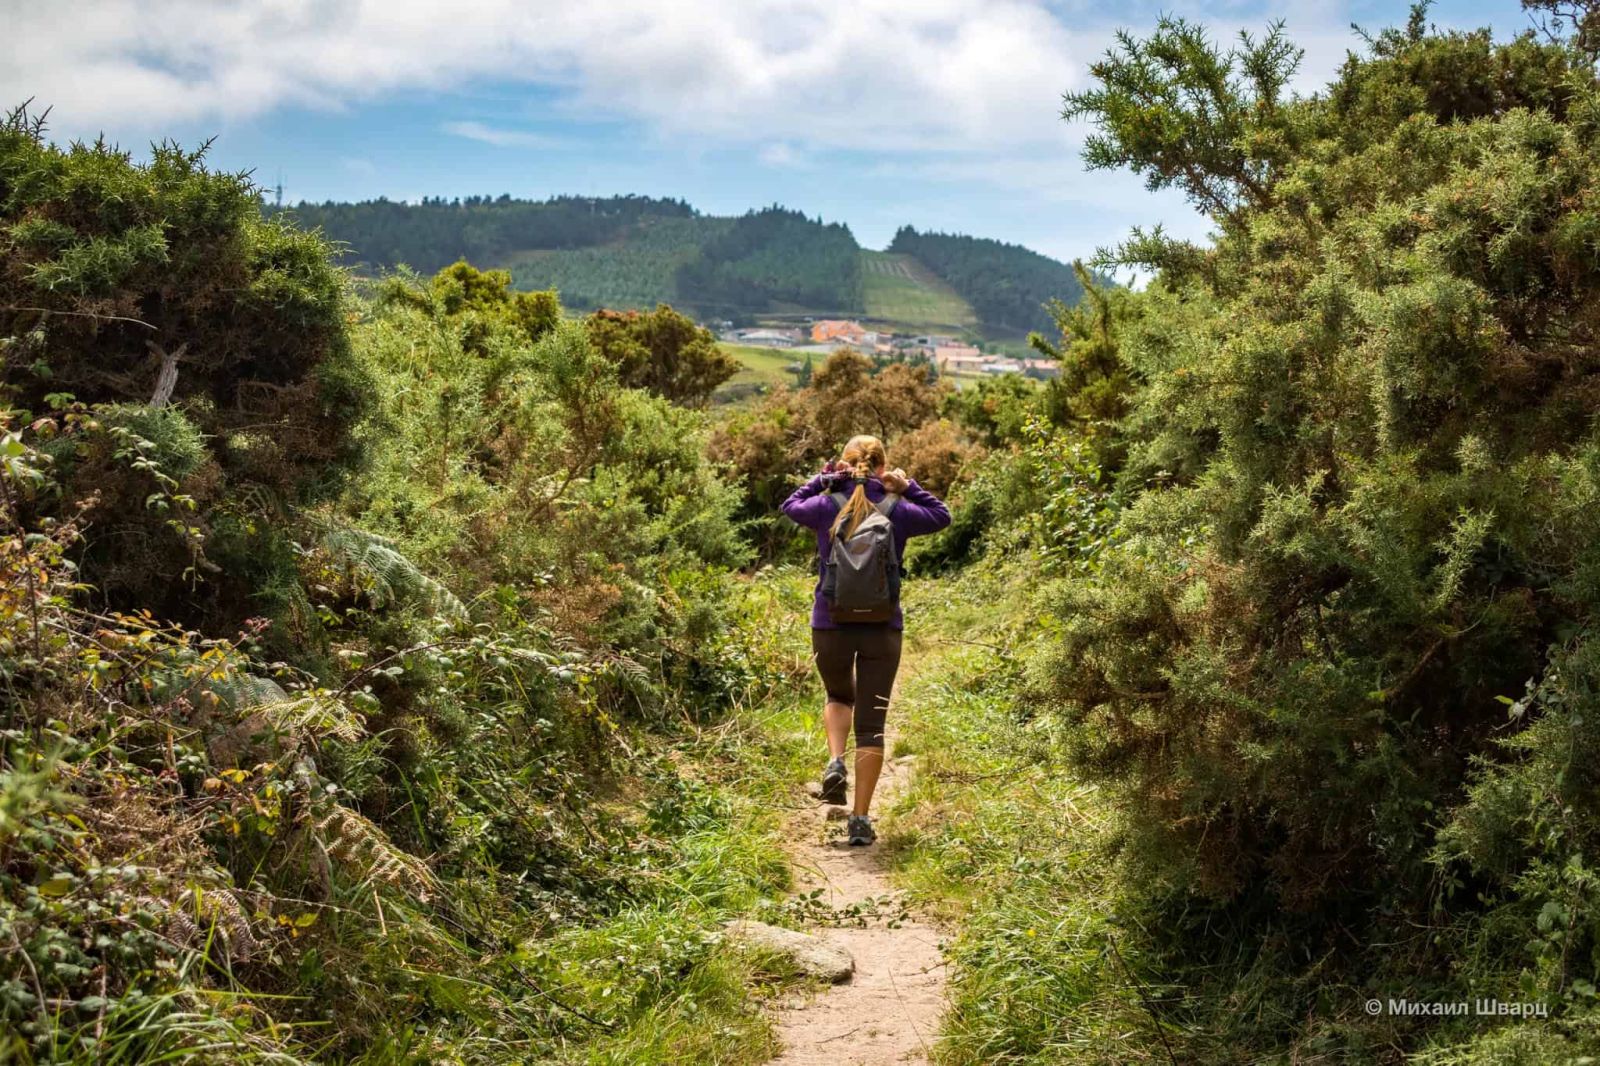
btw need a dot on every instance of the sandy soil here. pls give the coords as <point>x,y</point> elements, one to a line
<point>888,1012</point>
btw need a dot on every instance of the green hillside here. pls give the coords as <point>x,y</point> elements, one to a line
<point>431,235</point>
<point>618,252</point>
<point>899,290</point>
<point>636,252</point>
<point>639,270</point>
<point>1007,285</point>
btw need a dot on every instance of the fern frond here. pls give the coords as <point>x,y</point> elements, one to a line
<point>246,692</point>
<point>317,712</point>
<point>376,565</point>
<point>350,838</point>
<point>629,673</point>
<point>186,921</point>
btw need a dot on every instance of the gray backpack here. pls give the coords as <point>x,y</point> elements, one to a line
<point>861,575</point>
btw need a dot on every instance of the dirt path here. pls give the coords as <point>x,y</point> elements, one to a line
<point>888,1012</point>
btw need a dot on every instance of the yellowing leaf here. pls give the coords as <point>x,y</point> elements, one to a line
<point>57,886</point>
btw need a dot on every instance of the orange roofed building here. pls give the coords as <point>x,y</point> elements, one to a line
<point>834,329</point>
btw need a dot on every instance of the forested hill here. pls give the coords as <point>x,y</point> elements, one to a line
<point>1007,285</point>
<point>436,232</point>
<point>636,251</point>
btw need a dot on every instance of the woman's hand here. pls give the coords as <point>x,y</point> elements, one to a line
<point>895,480</point>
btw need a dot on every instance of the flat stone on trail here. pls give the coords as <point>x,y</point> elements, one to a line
<point>835,813</point>
<point>889,1010</point>
<point>810,954</point>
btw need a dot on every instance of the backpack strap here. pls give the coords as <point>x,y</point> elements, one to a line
<point>887,504</point>
<point>839,498</point>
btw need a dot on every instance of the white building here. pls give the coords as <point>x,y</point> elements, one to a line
<point>769,338</point>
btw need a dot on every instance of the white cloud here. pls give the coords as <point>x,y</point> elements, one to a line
<point>498,136</point>
<point>779,154</point>
<point>859,74</point>
<point>963,93</point>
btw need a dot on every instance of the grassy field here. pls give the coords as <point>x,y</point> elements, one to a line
<point>898,292</point>
<point>762,366</point>
<point>901,291</point>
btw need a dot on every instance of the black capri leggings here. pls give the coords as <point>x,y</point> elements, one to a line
<point>858,663</point>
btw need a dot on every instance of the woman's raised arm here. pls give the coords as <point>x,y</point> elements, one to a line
<point>921,511</point>
<point>810,505</point>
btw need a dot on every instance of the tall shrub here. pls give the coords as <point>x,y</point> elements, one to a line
<point>1362,472</point>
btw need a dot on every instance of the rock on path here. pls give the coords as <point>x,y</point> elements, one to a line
<point>811,955</point>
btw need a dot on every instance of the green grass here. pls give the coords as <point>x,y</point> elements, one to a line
<point>900,291</point>
<point>999,842</point>
<point>764,366</point>
<point>658,971</point>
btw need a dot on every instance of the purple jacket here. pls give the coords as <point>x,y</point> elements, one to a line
<point>811,505</point>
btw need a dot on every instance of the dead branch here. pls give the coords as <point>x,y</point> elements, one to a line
<point>167,379</point>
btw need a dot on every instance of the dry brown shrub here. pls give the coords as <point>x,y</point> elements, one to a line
<point>937,454</point>
<point>579,607</point>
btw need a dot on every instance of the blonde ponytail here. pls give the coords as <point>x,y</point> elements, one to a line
<point>866,455</point>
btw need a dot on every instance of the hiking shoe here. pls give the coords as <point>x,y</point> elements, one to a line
<point>860,830</point>
<point>833,781</point>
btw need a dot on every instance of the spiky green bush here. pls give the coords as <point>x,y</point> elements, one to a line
<point>1361,477</point>
<point>116,275</point>
<point>322,768</point>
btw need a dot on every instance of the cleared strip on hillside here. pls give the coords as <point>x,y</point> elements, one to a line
<point>900,291</point>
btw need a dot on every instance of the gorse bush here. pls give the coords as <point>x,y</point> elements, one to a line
<point>1360,472</point>
<point>521,459</point>
<point>112,268</point>
<point>662,351</point>
<point>160,284</point>
<point>1093,392</point>
<point>307,744</point>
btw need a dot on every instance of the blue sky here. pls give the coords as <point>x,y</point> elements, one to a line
<point>938,113</point>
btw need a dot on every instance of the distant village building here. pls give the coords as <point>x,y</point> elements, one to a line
<point>959,359</point>
<point>1040,369</point>
<point>967,360</point>
<point>770,338</point>
<point>835,330</point>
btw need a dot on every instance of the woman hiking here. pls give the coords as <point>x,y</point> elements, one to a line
<point>863,513</point>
